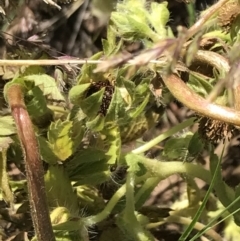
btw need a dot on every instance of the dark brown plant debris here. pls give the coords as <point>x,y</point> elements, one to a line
<point>107,97</point>
<point>214,131</point>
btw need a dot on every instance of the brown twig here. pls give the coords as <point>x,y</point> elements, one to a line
<point>34,168</point>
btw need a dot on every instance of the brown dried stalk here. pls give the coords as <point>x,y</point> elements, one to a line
<point>33,163</point>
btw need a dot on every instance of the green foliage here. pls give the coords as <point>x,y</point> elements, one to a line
<point>47,84</point>
<point>110,45</point>
<point>91,105</point>
<point>62,140</point>
<point>89,198</point>
<point>89,173</point>
<point>46,151</point>
<point>78,92</point>
<point>89,167</point>
<point>58,185</point>
<point>185,147</point>
<point>64,228</point>
<point>199,84</point>
<point>7,126</point>
<point>132,21</point>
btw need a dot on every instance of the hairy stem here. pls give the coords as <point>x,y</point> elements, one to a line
<point>195,102</point>
<point>33,163</point>
<point>91,220</point>
<point>213,59</point>
<point>159,171</point>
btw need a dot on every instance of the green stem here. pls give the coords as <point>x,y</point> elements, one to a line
<point>91,220</point>
<point>145,191</point>
<point>163,136</point>
<point>162,170</point>
<point>130,203</point>
<point>129,222</point>
<point>158,171</point>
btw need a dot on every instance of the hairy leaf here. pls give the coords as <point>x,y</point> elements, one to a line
<point>177,147</point>
<point>59,136</point>
<point>199,84</point>
<point>159,17</point>
<point>90,198</point>
<point>88,166</point>
<point>196,145</point>
<point>46,151</point>
<point>77,93</point>
<point>7,126</point>
<point>116,108</point>
<point>91,105</point>
<point>68,225</point>
<point>58,185</point>
<point>87,75</point>
<point>37,107</point>
<point>132,161</point>
<point>110,46</point>
<point>30,70</point>
<point>114,140</point>
<point>97,124</point>
<point>47,84</point>
<point>141,107</point>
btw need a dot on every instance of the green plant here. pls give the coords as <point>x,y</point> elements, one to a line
<point>114,102</point>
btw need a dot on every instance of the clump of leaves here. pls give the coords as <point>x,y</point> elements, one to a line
<point>81,143</point>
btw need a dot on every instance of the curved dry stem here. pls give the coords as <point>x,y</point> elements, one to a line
<point>34,168</point>
<point>197,103</point>
<point>213,59</point>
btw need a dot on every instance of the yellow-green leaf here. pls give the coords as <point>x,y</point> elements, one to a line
<point>7,126</point>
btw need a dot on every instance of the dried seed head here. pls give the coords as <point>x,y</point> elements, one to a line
<point>214,131</point>
<point>228,14</point>
<point>107,96</point>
